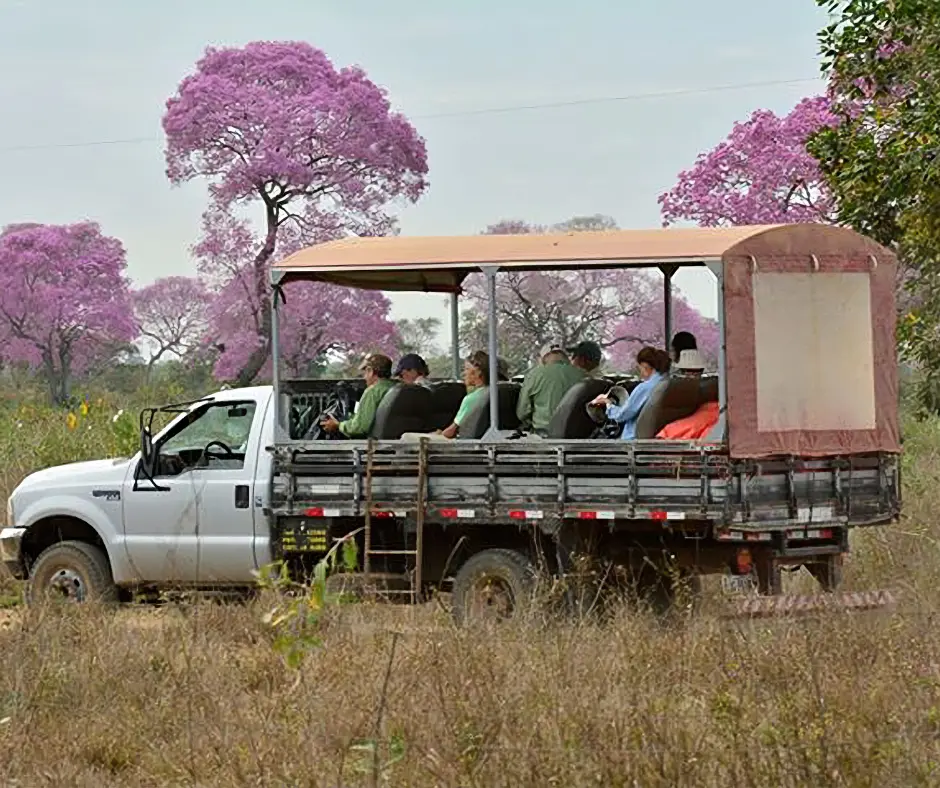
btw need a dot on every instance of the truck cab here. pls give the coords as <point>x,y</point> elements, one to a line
<point>197,520</point>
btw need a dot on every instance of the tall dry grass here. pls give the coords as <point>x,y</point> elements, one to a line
<point>196,695</point>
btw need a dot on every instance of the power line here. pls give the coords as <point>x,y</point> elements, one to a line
<point>471,112</point>
<point>614,99</point>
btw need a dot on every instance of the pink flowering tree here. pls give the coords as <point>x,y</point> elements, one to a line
<point>761,174</point>
<point>615,308</point>
<point>647,325</point>
<point>275,125</point>
<point>171,316</point>
<point>65,302</point>
<point>315,319</point>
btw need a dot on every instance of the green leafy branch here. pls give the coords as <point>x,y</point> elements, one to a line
<point>296,619</point>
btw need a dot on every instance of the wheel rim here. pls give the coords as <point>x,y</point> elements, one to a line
<point>68,584</point>
<point>491,599</point>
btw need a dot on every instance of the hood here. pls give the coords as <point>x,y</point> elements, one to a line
<point>75,473</point>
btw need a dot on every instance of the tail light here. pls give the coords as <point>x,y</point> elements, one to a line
<point>743,562</point>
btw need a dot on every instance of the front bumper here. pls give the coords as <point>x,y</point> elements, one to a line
<point>10,542</point>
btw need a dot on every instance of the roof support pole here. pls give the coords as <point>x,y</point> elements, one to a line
<point>490,272</point>
<point>276,357</point>
<point>668,272</point>
<point>720,431</point>
<point>455,335</point>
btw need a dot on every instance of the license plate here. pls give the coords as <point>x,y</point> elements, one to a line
<point>738,584</point>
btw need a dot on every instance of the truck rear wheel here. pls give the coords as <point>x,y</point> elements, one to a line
<point>494,584</point>
<point>71,571</point>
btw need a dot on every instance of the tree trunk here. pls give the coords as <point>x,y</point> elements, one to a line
<point>260,356</point>
<point>58,382</point>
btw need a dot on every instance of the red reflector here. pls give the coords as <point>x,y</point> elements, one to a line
<point>825,533</point>
<point>448,512</point>
<point>315,512</point>
<point>517,515</point>
<point>657,515</point>
<point>587,515</point>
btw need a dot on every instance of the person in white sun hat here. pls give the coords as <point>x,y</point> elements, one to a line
<point>690,363</point>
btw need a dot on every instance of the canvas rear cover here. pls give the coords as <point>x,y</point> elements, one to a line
<point>810,345</point>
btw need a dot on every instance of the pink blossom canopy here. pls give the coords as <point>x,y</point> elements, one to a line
<point>761,174</point>
<point>278,118</point>
<point>64,297</point>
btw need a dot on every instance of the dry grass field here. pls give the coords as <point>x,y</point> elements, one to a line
<point>195,695</point>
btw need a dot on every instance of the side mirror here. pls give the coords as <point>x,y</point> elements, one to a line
<point>146,450</point>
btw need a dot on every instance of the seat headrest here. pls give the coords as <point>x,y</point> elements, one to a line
<point>571,419</point>
<point>403,409</point>
<point>709,389</point>
<point>445,400</point>
<point>478,420</point>
<point>671,399</point>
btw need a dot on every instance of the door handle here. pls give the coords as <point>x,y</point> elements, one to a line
<point>241,496</point>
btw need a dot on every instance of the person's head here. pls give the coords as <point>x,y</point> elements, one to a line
<point>410,367</point>
<point>683,340</point>
<point>586,355</point>
<point>552,354</point>
<point>651,360</point>
<point>690,363</point>
<point>375,367</point>
<point>476,369</point>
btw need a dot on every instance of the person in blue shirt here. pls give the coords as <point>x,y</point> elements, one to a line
<point>653,364</point>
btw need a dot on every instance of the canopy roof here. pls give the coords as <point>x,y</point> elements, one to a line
<point>440,264</point>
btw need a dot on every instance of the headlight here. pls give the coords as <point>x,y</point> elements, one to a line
<point>11,518</point>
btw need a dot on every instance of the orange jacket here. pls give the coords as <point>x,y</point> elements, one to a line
<point>692,427</point>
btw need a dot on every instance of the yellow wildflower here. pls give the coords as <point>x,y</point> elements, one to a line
<point>84,408</point>
<point>71,421</point>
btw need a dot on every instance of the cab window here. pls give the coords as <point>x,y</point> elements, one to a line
<point>215,437</point>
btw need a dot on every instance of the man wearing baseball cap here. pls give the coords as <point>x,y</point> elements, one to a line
<point>411,368</point>
<point>587,356</point>
<point>543,388</point>
<point>377,371</point>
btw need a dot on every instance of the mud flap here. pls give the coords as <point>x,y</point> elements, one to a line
<point>808,604</point>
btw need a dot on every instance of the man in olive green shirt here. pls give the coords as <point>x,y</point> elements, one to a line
<point>587,356</point>
<point>377,372</point>
<point>543,388</point>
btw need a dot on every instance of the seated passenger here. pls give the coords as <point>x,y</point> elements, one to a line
<point>476,377</point>
<point>411,368</point>
<point>689,363</point>
<point>653,364</point>
<point>543,388</point>
<point>377,371</point>
<point>586,356</point>
<point>683,340</point>
<point>693,427</point>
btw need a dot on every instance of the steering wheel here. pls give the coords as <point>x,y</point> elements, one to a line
<point>228,451</point>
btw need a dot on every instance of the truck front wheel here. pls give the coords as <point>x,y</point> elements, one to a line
<point>494,584</point>
<point>72,571</point>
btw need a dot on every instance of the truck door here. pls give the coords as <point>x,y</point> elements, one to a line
<point>200,527</point>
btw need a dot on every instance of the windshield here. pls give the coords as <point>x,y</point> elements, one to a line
<point>226,422</point>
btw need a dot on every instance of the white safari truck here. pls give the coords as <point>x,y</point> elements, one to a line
<point>806,446</point>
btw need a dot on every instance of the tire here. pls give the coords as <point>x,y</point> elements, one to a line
<point>76,571</point>
<point>665,596</point>
<point>499,581</point>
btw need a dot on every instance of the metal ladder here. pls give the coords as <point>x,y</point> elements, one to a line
<point>415,580</point>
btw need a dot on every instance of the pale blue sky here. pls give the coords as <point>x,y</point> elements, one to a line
<point>74,72</point>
